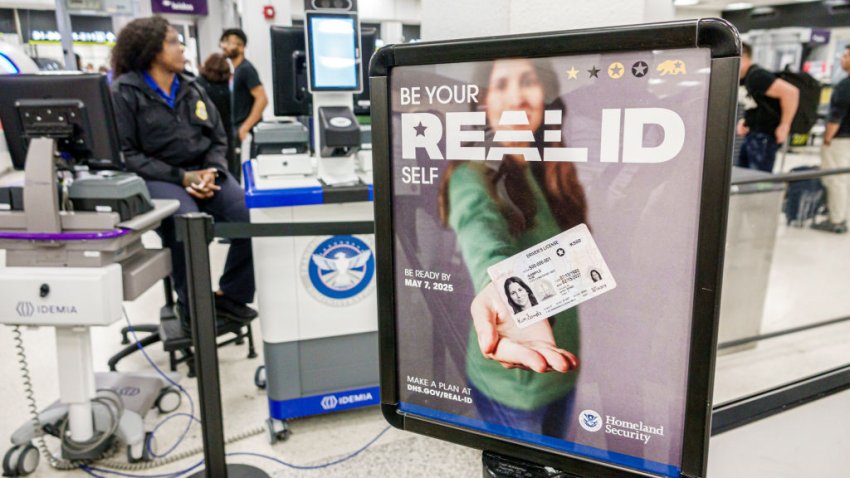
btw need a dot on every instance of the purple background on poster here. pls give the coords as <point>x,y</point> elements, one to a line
<point>183,7</point>
<point>644,217</point>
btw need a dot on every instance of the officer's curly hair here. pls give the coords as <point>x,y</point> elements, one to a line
<point>138,44</point>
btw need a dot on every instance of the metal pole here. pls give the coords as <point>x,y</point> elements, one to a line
<point>63,26</point>
<point>195,231</point>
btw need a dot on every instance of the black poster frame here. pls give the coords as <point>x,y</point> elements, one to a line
<point>722,40</point>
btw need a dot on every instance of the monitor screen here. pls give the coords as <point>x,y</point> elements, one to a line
<point>289,72</point>
<point>333,52</point>
<point>368,41</point>
<point>94,140</point>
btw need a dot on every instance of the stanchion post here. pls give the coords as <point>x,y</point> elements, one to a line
<point>195,231</point>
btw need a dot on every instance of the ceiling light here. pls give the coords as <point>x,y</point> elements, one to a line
<point>685,3</point>
<point>738,6</point>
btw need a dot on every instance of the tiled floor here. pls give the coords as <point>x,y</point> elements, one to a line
<point>808,283</point>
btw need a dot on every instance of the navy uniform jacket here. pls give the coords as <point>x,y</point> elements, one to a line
<point>161,143</point>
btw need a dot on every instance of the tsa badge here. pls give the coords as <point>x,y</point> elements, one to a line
<point>201,110</point>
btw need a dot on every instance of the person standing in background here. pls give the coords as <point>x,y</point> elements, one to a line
<point>771,104</point>
<point>215,78</point>
<point>835,153</point>
<point>249,96</point>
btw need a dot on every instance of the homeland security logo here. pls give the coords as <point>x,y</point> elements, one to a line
<point>590,421</point>
<point>638,431</point>
<point>339,269</point>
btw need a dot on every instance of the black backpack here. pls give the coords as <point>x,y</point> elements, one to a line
<point>807,110</point>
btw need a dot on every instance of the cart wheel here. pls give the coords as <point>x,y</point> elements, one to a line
<point>20,460</point>
<point>277,430</point>
<point>169,399</point>
<point>260,377</point>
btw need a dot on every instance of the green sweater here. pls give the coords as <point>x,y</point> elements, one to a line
<point>482,232</point>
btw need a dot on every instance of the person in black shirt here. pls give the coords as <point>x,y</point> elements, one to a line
<point>215,78</point>
<point>835,153</point>
<point>249,96</point>
<point>173,137</point>
<point>770,104</point>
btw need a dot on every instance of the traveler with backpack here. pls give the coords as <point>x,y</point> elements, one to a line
<point>835,153</point>
<point>771,104</point>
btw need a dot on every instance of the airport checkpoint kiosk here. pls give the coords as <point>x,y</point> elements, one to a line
<point>316,296</point>
<point>637,123</point>
<point>73,254</point>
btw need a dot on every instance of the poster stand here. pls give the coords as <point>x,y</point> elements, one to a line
<point>414,156</point>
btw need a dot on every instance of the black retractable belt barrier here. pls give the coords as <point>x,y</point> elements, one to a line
<point>241,230</point>
<point>195,230</point>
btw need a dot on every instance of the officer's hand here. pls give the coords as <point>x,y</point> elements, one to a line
<point>195,184</point>
<point>197,191</point>
<point>191,177</point>
<point>208,176</point>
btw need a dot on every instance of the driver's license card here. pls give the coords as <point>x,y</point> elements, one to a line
<point>552,276</point>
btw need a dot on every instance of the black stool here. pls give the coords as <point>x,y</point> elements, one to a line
<point>175,340</point>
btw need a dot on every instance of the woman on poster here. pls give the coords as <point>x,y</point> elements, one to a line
<point>524,378</point>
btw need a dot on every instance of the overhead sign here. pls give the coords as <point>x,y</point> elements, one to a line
<point>184,7</point>
<point>40,26</point>
<point>820,36</point>
<point>549,233</point>
<point>81,37</point>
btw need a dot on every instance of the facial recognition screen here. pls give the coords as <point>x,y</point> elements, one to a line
<point>333,47</point>
<point>546,220</point>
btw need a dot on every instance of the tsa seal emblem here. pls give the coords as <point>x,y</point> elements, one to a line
<point>338,270</point>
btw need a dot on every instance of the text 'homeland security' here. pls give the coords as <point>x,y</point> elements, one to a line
<point>635,431</point>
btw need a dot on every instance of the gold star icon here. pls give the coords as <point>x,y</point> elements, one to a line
<point>571,73</point>
<point>616,70</point>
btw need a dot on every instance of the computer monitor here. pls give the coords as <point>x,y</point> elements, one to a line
<point>291,96</point>
<point>368,40</point>
<point>75,109</point>
<point>333,52</point>
<point>289,72</point>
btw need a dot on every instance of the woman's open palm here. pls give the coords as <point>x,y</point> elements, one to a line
<point>499,338</point>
